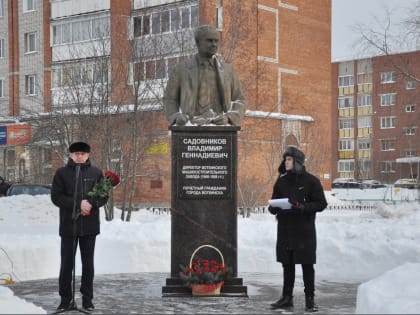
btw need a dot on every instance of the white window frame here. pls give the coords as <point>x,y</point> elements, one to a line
<point>364,144</point>
<point>345,102</point>
<point>29,5</point>
<point>2,87</point>
<point>346,80</point>
<point>345,165</point>
<point>364,78</point>
<point>410,85</point>
<point>219,17</point>
<point>388,122</point>
<point>388,77</point>
<point>364,122</point>
<point>30,85</point>
<point>2,7</point>
<point>364,100</point>
<point>346,145</point>
<point>410,152</point>
<point>61,34</point>
<point>410,131</point>
<point>387,144</point>
<point>364,165</point>
<point>346,123</point>
<point>410,108</point>
<point>2,47</point>
<point>179,18</point>
<point>387,167</point>
<point>388,99</point>
<point>30,42</point>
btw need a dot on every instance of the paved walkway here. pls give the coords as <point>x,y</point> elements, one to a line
<point>141,293</point>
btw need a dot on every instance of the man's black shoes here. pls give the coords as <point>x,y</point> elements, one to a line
<point>64,305</point>
<point>88,305</point>
<point>286,302</point>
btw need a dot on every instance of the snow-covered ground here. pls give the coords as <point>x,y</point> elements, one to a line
<point>378,248</point>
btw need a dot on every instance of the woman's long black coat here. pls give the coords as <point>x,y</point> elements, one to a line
<point>296,229</point>
<point>63,196</point>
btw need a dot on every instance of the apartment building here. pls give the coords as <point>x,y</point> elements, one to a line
<point>98,69</point>
<point>377,117</point>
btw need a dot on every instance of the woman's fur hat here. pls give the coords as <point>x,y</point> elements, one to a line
<point>298,157</point>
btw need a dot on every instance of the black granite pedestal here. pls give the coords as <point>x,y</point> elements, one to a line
<point>204,202</point>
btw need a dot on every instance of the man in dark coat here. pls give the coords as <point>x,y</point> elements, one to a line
<point>79,221</point>
<point>203,89</point>
<point>4,186</point>
<point>296,235</point>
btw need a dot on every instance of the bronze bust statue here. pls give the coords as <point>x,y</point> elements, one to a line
<point>204,90</point>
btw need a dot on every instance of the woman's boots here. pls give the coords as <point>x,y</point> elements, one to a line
<point>310,305</point>
<point>286,302</point>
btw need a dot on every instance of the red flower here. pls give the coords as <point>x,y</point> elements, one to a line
<point>114,177</point>
<point>205,271</point>
<point>103,187</point>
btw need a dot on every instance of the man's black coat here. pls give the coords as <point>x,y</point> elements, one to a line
<point>63,196</point>
<point>296,228</point>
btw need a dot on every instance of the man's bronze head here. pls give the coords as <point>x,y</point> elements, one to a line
<point>207,39</point>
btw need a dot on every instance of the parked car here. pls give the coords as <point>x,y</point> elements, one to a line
<point>407,183</point>
<point>28,189</point>
<point>371,183</point>
<point>345,183</point>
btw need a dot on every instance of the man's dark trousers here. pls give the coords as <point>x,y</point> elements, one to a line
<point>87,250</point>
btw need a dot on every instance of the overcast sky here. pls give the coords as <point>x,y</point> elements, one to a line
<point>348,13</point>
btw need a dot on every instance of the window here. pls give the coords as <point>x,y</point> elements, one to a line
<point>364,122</point>
<point>2,7</point>
<point>410,152</point>
<point>347,80</point>
<point>388,77</point>
<point>30,84</point>
<point>346,124</point>
<point>410,85</point>
<point>29,5</point>
<point>30,42</point>
<point>387,144</point>
<point>387,122</point>
<point>388,99</point>
<point>364,100</point>
<point>364,165</point>
<point>100,28</point>
<point>387,167</point>
<point>346,165</point>
<point>81,31</point>
<point>364,144</point>
<point>155,23</point>
<point>364,78</point>
<point>2,82</point>
<point>410,131</point>
<point>219,17</point>
<point>2,48</point>
<point>165,21</point>
<point>345,102</point>
<point>61,33</point>
<point>141,25</point>
<point>346,145</point>
<point>175,20</point>
<point>410,108</point>
<point>185,17</point>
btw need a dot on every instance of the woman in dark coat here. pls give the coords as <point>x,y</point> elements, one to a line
<point>296,234</point>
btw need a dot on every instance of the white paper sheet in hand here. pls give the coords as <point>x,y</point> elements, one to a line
<point>280,203</point>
